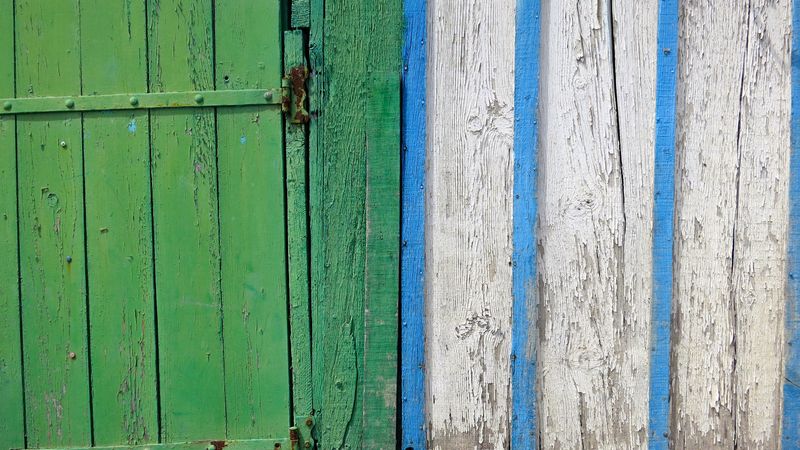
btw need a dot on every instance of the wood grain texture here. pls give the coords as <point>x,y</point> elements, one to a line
<point>595,217</point>
<point>468,225</point>
<point>51,224</point>
<point>733,148</point>
<point>12,412</point>
<point>186,225</point>
<point>297,226</point>
<point>252,227</point>
<point>118,227</point>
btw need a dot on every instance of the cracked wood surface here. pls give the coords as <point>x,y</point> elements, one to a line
<point>596,108</point>
<point>733,154</point>
<point>468,222</point>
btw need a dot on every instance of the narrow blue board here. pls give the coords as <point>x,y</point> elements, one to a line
<point>412,253</point>
<point>663,221</point>
<point>791,385</point>
<point>524,432</point>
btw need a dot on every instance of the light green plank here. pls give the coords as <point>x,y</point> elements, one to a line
<point>252,227</point>
<point>383,27</point>
<point>301,13</point>
<point>118,227</point>
<point>186,231</point>
<point>12,419</point>
<point>297,221</point>
<point>53,269</point>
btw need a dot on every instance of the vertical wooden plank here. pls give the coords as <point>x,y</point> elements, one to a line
<point>791,386</point>
<point>297,224</point>
<point>733,117</point>
<point>383,26</point>
<point>301,13</point>
<point>186,227</point>
<point>252,227</point>
<point>469,223</point>
<point>524,426</point>
<point>118,227</point>
<point>412,251</point>
<point>51,222</point>
<point>663,220</point>
<point>339,336</point>
<point>595,222</point>
<point>12,412</point>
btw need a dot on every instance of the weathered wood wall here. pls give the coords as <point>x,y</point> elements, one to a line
<point>595,194</point>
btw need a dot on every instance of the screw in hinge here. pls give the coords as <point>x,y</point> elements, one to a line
<point>309,422</point>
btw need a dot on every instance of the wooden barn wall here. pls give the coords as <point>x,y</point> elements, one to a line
<point>589,314</point>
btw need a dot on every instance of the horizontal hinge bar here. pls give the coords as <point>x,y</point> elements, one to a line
<point>252,444</point>
<point>153,100</point>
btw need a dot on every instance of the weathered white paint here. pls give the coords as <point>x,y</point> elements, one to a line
<point>733,151</point>
<point>597,108</point>
<point>468,222</point>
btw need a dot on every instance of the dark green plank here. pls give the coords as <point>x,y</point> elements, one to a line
<point>186,224</point>
<point>382,124</point>
<point>252,227</point>
<point>118,227</point>
<point>53,270</point>
<point>12,419</point>
<point>297,222</point>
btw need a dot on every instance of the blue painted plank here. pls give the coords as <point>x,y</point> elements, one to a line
<point>524,430</point>
<point>663,217</point>
<point>791,386</point>
<point>412,268</point>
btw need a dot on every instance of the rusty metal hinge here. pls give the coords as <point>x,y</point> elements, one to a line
<point>300,436</point>
<point>294,94</point>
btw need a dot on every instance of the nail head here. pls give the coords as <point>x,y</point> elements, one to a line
<point>69,103</point>
<point>134,101</point>
<point>268,95</point>
<point>63,144</point>
<point>198,98</point>
<point>7,106</point>
<point>72,355</point>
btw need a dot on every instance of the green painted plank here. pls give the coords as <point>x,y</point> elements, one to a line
<point>252,227</point>
<point>12,418</point>
<point>186,226</point>
<point>383,26</point>
<point>297,221</point>
<point>301,13</point>
<point>339,339</point>
<point>52,251</point>
<point>118,227</point>
<point>251,444</point>
<point>138,100</point>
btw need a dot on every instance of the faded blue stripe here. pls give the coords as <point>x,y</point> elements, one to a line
<point>663,222</point>
<point>791,386</point>
<point>523,348</point>
<point>412,254</point>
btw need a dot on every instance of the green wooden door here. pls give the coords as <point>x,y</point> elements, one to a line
<point>143,283</point>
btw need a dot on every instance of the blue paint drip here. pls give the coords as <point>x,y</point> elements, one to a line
<point>663,222</point>
<point>524,430</point>
<point>791,385</point>
<point>243,140</point>
<point>131,126</point>
<point>412,253</point>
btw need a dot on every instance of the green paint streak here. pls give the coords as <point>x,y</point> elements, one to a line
<point>252,226</point>
<point>186,231</point>
<point>301,13</point>
<point>118,227</point>
<point>51,229</point>
<point>298,243</point>
<point>383,222</point>
<point>355,215</point>
<point>11,408</point>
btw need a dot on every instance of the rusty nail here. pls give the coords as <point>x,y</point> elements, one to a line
<point>198,98</point>
<point>309,421</point>
<point>70,103</point>
<point>308,444</point>
<point>7,106</point>
<point>72,355</point>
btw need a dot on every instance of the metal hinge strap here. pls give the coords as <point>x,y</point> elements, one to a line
<point>151,100</point>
